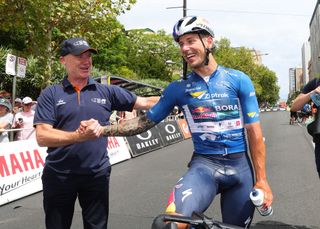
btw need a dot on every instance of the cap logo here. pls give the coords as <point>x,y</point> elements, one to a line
<point>78,43</point>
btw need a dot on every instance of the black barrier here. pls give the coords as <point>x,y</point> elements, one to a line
<point>145,142</point>
<point>170,132</point>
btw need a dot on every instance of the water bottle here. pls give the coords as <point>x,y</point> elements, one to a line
<point>256,197</point>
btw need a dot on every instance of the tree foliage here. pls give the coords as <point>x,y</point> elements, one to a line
<point>45,23</point>
<point>35,28</point>
<point>263,79</point>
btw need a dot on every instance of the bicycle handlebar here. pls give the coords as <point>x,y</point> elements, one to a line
<point>199,221</point>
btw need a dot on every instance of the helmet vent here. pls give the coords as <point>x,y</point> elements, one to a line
<point>191,20</point>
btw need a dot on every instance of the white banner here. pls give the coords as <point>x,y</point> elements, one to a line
<point>11,64</point>
<point>117,150</point>
<point>21,165</point>
<point>22,67</point>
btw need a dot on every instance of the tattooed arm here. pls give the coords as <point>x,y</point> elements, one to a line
<point>129,127</point>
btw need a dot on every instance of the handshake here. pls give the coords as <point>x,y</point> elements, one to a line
<point>90,129</point>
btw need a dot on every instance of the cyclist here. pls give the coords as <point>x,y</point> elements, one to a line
<point>219,104</point>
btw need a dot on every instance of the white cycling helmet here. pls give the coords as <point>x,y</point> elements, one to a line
<point>191,24</point>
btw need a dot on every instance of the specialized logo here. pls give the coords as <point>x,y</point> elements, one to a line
<point>60,102</point>
<point>186,193</point>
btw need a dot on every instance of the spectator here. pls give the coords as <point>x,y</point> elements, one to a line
<point>24,119</point>
<point>311,88</point>
<point>6,118</point>
<point>17,106</point>
<point>77,164</point>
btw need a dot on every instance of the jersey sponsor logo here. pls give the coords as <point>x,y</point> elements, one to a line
<point>60,102</point>
<point>252,93</point>
<point>223,83</point>
<point>214,111</point>
<point>230,107</point>
<point>252,114</point>
<point>198,94</point>
<point>211,137</point>
<point>204,116</point>
<point>215,96</point>
<point>201,109</point>
<point>194,89</point>
<point>99,100</point>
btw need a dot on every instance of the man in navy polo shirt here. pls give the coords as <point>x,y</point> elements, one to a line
<point>77,164</point>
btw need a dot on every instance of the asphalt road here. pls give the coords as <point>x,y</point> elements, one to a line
<point>140,186</point>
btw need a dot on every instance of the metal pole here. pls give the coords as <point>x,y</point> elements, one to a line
<point>184,64</point>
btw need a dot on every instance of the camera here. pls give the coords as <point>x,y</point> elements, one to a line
<point>20,120</point>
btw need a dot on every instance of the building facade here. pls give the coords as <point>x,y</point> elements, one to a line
<point>295,80</point>
<point>306,60</point>
<point>315,42</point>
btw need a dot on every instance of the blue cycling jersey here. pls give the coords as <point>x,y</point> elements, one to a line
<point>216,109</point>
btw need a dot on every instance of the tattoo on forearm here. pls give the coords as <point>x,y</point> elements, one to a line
<point>130,127</point>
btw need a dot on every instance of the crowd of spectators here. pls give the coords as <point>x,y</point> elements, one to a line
<point>16,119</point>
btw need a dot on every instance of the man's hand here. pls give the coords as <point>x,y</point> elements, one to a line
<point>268,196</point>
<point>89,129</point>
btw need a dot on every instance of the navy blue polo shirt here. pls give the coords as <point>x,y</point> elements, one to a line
<point>62,107</point>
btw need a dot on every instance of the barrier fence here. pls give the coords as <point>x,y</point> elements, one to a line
<point>21,162</point>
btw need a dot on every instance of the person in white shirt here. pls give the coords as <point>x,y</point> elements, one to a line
<point>24,120</point>
<point>6,118</point>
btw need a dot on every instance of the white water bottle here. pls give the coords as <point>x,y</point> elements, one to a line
<point>256,197</point>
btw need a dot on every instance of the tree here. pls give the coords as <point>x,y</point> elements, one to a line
<point>263,79</point>
<point>148,52</point>
<point>45,23</point>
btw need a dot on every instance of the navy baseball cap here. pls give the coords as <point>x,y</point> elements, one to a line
<point>75,46</point>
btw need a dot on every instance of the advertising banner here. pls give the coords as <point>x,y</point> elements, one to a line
<point>22,67</point>
<point>170,132</point>
<point>183,125</point>
<point>145,142</point>
<point>11,64</point>
<point>21,168</point>
<point>117,150</point>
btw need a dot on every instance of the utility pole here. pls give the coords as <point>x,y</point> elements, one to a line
<point>184,14</point>
<point>184,63</point>
<point>184,8</point>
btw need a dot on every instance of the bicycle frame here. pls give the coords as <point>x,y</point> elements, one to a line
<point>199,221</point>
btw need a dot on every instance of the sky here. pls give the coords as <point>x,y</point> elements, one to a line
<point>277,28</point>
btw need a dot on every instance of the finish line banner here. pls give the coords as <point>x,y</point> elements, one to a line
<point>21,165</point>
